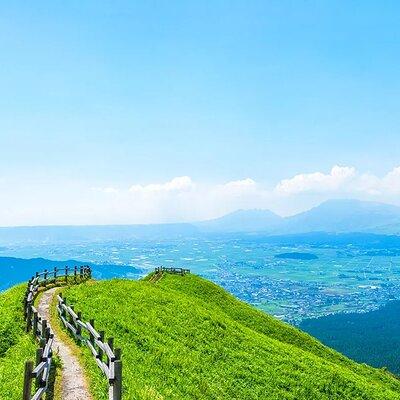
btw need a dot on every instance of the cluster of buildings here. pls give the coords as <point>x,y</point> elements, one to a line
<point>296,300</point>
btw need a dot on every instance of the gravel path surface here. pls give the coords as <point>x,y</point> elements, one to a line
<point>73,382</point>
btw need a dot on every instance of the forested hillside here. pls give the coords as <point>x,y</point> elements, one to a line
<point>372,337</point>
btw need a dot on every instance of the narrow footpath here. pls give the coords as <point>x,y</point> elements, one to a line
<point>73,382</point>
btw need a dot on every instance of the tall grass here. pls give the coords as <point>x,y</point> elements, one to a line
<point>15,345</point>
<point>186,338</point>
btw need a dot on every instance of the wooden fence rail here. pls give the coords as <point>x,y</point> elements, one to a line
<point>40,371</point>
<point>172,270</point>
<point>107,359</point>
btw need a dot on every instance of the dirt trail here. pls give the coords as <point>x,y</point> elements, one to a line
<point>73,382</point>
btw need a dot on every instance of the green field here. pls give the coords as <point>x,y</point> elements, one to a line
<point>15,345</point>
<point>186,338</point>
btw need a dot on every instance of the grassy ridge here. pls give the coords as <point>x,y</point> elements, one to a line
<point>214,296</point>
<point>186,338</point>
<point>15,346</point>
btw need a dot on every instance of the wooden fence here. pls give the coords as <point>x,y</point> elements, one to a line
<point>108,359</point>
<point>40,371</point>
<point>172,270</point>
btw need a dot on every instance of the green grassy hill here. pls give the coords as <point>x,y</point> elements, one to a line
<point>186,338</point>
<point>15,346</point>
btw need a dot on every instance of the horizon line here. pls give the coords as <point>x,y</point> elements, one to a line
<point>191,222</point>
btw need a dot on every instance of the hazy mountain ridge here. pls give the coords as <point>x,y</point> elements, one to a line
<point>334,216</point>
<point>339,216</point>
<point>242,221</point>
<point>344,216</point>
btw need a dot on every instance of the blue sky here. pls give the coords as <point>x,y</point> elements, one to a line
<point>100,96</point>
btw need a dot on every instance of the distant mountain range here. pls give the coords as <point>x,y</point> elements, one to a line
<point>243,221</point>
<point>347,216</point>
<point>333,216</point>
<point>336,216</point>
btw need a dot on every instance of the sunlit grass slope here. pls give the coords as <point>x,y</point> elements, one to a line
<point>186,338</point>
<point>15,346</point>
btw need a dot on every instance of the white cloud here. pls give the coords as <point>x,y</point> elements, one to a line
<point>244,183</point>
<point>388,185</point>
<point>317,181</point>
<point>367,184</point>
<point>391,182</point>
<point>178,184</point>
<point>182,199</point>
<point>241,188</point>
<point>306,190</point>
<point>241,185</point>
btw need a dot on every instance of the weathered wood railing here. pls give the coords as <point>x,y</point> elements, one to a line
<point>40,371</point>
<point>172,270</point>
<point>108,359</point>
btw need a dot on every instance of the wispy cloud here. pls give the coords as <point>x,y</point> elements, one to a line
<point>178,184</point>
<point>317,182</point>
<point>342,180</point>
<point>183,199</point>
<point>241,186</point>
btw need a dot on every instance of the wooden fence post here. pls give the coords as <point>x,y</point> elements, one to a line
<point>78,327</point>
<point>63,312</point>
<point>44,328</point>
<point>39,354</point>
<point>70,318</point>
<point>25,304</point>
<point>35,324</point>
<point>75,272</point>
<point>29,316</point>
<point>117,392</point>
<point>66,273</point>
<point>55,275</point>
<point>91,337</point>
<point>100,352</point>
<point>26,395</point>
<point>110,342</point>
